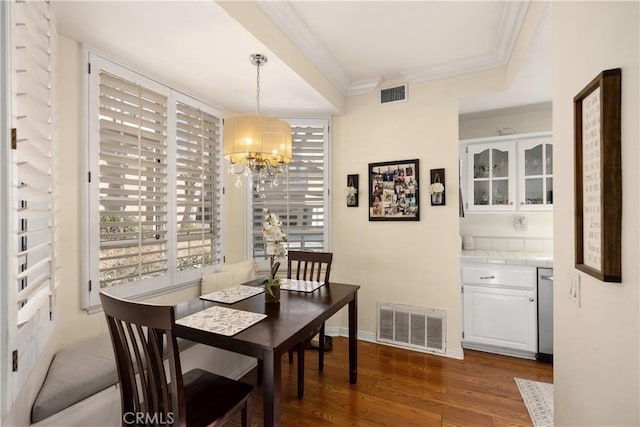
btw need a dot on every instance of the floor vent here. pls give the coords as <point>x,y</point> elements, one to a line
<point>393,94</point>
<point>412,327</point>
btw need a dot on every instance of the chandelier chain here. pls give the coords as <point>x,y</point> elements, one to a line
<point>258,89</point>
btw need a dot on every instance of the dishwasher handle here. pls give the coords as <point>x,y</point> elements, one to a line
<point>545,277</point>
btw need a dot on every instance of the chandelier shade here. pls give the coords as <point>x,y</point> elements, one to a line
<point>257,141</point>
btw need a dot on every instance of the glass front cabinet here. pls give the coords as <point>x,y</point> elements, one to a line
<point>508,173</point>
<point>491,176</point>
<point>535,180</point>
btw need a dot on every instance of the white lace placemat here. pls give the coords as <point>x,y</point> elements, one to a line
<point>221,320</point>
<point>299,285</point>
<point>233,294</point>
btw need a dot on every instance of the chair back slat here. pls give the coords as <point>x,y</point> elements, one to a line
<point>138,332</point>
<point>304,265</point>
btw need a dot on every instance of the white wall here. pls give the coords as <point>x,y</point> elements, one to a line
<point>526,119</point>
<point>414,263</point>
<point>596,361</point>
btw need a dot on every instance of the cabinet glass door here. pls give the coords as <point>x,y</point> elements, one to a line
<point>537,171</point>
<point>491,174</point>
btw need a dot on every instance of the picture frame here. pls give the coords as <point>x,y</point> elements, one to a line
<point>352,197</point>
<point>598,177</point>
<point>394,191</point>
<point>437,177</point>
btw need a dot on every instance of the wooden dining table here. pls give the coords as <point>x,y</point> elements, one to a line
<point>292,320</point>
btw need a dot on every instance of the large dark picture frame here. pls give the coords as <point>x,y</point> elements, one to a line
<point>598,177</point>
<point>394,191</point>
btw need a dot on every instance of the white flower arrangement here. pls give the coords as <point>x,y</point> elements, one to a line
<point>351,191</point>
<point>436,187</point>
<point>273,246</point>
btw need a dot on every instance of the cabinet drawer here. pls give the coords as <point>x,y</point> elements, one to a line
<point>508,276</point>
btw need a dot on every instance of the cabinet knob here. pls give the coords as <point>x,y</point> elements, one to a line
<point>531,299</point>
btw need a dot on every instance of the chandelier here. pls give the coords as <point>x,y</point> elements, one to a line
<point>257,144</point>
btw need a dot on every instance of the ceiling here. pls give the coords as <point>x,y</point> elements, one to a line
<point>197,47</point>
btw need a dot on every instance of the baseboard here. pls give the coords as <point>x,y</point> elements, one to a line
<point>335,331</point>
<point>500,350</point>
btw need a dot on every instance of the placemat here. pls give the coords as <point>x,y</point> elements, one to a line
<point>221,320</point>
<point>299,285</point>
<point>233,294</point>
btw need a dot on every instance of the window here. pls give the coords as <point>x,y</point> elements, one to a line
<point>28,217</point>
<point>154,184</point>
<point>300,198</point>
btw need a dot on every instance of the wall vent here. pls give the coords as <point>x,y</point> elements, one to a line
<point>412,327</point>
<point>393,94</point>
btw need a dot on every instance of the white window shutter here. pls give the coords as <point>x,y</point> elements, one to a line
<point>300,197</point>
<point>197,187</point>
<point>132,181</point>
<point>32,164</point>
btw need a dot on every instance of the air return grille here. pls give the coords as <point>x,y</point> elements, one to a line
<point>413,327</point>
<point>393,94</point>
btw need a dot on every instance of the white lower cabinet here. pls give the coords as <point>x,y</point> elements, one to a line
<point>501,316</point>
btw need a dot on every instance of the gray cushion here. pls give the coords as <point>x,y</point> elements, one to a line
<point>76,373</point>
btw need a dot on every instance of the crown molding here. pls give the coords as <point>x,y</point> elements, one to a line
<point>362,87</point>
<point>513,16</point>
<point>290,23</point>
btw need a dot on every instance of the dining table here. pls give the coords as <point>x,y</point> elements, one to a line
<point>292,320</point>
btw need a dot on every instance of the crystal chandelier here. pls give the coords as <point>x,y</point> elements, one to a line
<point>257,144</point>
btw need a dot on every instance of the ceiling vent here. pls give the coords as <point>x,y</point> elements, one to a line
<point>393,94</point>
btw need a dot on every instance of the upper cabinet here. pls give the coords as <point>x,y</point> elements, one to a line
<point>535,177</point>
<point>491,176</point>
<point>507,173</point>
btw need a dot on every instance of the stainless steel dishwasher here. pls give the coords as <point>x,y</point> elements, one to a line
<point>545,315</point>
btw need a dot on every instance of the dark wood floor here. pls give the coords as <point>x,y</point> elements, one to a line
<point>398,387</point>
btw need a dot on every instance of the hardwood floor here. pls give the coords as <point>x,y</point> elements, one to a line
<point>398,387</point>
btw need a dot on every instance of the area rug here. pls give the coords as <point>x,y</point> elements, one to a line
<point>538,398</point>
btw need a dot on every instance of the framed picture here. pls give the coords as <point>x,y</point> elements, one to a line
<point>393,191</point>
<point>437,188</point>
<point>352,190</point>
<point>598,177</point>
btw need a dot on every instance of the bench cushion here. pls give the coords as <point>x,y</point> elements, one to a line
<point>78,372</point>
<point>75,373</point>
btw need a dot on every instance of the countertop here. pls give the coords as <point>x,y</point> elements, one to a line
<point>537,259</point>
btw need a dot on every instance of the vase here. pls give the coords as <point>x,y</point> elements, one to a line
<point>273,296</point>
<point>436,198</point>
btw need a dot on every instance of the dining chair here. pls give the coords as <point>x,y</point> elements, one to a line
<point>142,337</point>
<point>303,265</point>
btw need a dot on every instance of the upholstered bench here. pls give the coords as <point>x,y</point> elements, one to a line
<point>75,373</point>
<point>80,386</point>
<point>78,372</point>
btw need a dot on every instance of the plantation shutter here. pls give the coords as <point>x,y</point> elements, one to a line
<point>299,198</point>
<point>132,181</point>
<point>34,62</point>
<point>28,40</point>
<point>197,187</point>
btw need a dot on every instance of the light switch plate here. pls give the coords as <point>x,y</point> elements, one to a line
<point>574,287</point>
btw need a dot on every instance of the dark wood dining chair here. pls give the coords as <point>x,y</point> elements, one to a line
<point>316,266</point>
<point>152,394</point>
